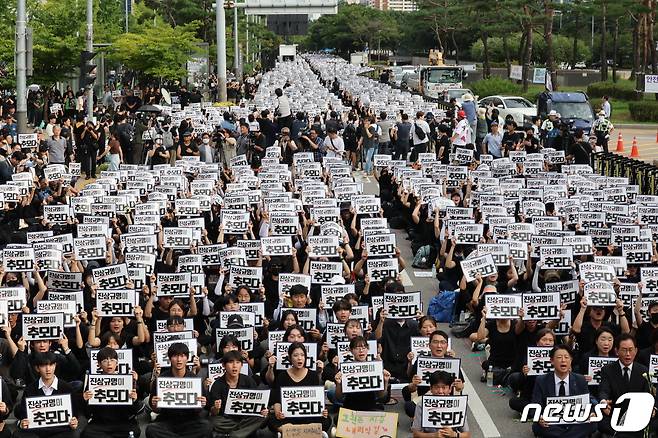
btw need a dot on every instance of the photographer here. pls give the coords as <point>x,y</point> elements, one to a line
<point>257,147</point>
<point>312,142</point>
<point>158,154</point>
<point>287,145</point>
<point>88,150</point>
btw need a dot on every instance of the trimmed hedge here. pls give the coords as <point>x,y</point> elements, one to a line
<point>644,111</point>
<point>494,85</point>
<point>622,90</point>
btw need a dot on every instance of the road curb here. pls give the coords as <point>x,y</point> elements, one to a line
<point>634,125</point>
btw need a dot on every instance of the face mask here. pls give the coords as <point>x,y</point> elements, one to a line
<point>601,117</point>
<point>12,283</point>
<point>166,128</point>
<point>206,140</point>
<point>654,318</point>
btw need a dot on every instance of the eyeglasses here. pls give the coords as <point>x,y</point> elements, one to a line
<point>626,350</point>
<point>439,341</point>
<point>361,347</point>
<point>108,361</point>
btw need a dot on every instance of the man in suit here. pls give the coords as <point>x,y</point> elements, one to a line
<point>560,383</point>
<point>618,378</point>
<point>48,384</point>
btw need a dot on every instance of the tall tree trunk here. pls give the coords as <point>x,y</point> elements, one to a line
<point>604,47</point>
<point>521,54</point>
<point>574,50</point>
<point>549,13</point>
<point>651,43</point>
<point>454,43</point>
<point>486,70</point>
<point>437,32</point>
<point>636,47</point>
<point>508,61</point>
<point>528,49</point>
<point>615,48</point>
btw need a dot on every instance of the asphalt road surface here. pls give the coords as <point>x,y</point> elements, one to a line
<point>646,140</point>
<point>489,415</point>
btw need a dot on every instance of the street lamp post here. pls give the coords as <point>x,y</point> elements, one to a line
<point>236,46</point>
<point>221,48</point>
<point>21,80</point>
<point>90,48</point>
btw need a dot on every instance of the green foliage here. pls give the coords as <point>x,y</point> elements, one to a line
<point>160,51</point>
<point>562,47</point>
<point>644,111</point>
<point>494,85</point>
<point>623,90</point>
<point>352,28</point>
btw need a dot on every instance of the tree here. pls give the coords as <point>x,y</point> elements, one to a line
<point>159,51</point>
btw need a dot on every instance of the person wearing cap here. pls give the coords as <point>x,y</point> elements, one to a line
<point>493,141</point>
<point>550,129</point>
<point>47,384</point>
<point>113,421</point>
<point>461,135</point>
<point>602,127</point>
<point>420,135</point>
<point>470,108</point>
<point>176,422</point>
<point>232,425</point>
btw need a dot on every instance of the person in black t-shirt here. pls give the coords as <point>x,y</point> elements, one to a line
<point>511,138</point>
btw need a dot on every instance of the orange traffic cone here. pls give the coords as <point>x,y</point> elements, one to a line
<point>634,152</point>
<point>656,136</point>
<point>620,143</point>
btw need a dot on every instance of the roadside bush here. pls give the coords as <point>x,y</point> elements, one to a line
<point>494,85</point>
<point>644,111</point>
<point>622,90</point>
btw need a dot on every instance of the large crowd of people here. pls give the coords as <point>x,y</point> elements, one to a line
<point>220,271</point>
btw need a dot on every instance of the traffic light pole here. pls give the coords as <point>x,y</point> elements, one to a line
<point>21,80</point>
<point>221,49</point>
<point>90,48</point>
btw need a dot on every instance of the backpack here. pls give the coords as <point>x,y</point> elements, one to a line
<point>419,132</point>
<point>349,135</point>
<point>442,306</point>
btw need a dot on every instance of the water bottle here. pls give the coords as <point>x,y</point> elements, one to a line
<point>490,376</point>
<point>434,271</point>
<point>462,317</point>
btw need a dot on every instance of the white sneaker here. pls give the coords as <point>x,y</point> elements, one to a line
<point>324,434</point>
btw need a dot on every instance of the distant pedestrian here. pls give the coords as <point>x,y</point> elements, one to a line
<point>605,106</point>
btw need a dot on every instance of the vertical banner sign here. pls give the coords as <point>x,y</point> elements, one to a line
<point>444,411</point>
<point>539,361</point>
<point>302,401</point>
<point>653,368</point>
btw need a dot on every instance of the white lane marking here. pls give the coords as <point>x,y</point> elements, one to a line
<point>484,420</point>
<point>406,280</point>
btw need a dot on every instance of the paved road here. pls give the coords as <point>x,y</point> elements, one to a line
<point>646,141</point>
<point>489,414</point>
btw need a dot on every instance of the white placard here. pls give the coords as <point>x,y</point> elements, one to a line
<point>179,392</point>
<point>49,411</point>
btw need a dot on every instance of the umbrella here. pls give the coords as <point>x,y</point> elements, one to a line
<point>148,109</point>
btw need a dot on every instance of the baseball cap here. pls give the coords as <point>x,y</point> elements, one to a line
<point>461,113</point>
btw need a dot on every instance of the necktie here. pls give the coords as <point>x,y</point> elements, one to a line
<point>627,377</point>
<point>562,392</point>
